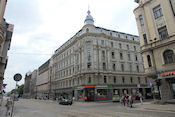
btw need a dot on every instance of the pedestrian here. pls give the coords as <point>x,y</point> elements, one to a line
<point>141,98</point>
<point>130,100</point>
<point>8,106</point>
<point>127,100</point>
<point>123,100</point>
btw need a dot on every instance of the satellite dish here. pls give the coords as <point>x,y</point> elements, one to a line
<point>17,77</point>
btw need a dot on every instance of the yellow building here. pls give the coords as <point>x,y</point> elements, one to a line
<point>156,25</point>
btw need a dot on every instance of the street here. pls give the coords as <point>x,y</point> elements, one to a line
<point>47,108</point>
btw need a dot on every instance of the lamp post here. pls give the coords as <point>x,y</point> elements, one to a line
<point>17,77</point>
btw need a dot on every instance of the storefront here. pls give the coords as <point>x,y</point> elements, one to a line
<point>167,85</point>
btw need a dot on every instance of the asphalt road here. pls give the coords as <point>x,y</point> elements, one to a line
<point>41,108</point>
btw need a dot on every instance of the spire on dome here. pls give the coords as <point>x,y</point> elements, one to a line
<point>89,18</point>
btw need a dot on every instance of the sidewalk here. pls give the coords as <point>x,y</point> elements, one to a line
<point>2,109</point>
<point>152,106</point>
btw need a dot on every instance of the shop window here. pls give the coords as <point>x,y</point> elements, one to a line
<point>157,12</point>
<point>80,94</point>
<point>149,61</point>
<point>102,92</point>
<point>163,33</point>
<point>169,57</point>
<point>105,79</point>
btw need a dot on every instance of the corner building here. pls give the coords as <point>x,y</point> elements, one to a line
<point>97,63</point>
<point>156,25</point>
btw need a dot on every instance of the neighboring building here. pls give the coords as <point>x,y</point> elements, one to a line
<point>6,31</point>
<point>43,81</point>
<point>27,86</point>
<point>33,84</point>
<point>97,63</point>
<point>156,26</point>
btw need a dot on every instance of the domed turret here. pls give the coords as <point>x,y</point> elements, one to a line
<point>89,19</point>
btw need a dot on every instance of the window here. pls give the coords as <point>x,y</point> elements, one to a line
<point>123,79</point>
<point>129,57</point>
<point>104,66</point>
<point>89,55</point>
<point>120,45</point>
<point>139,80</point>
<point>145,39</point>
<point>113,66</point>
<point>149,61</point>
<point>130,67</point>
<point>131,79</point>
<point>137,67</point>
<point>122,67</point>
<point>110,33</point>
<point>105,79</point>
<point>121,56</point>
<point>136,59</point>
<point>112,44</point>
<point>89,80</point>
<point>169,57</point>
<point>141,20</point>
<point>102,42</point>
<point>134,48</point>
<point>102,92</point>
<point>157,12</point>
<point>103,54</point>
<point>127,47</point>
<point>114,79</point>
<point>113,55</point>
<point>88,65</point>
<point>87,29</point>
<point>163,34</point>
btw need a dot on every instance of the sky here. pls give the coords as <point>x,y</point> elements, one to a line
<point>42,26</point>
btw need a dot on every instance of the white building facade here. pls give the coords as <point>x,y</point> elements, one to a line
<point>97,63</point>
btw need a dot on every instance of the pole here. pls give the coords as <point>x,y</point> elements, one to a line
<point>13,103</point>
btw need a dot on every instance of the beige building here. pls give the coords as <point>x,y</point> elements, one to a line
<point>97,63</point>
<point>156,26</point>
<point>43,81</point>
<point>6,31</point>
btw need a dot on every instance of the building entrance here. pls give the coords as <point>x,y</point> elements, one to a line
<point>173,89</point>
<point>89,94</point>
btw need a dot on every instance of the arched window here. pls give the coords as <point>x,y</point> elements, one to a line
<point>149,61</point>
<point>87,30</point>
<point>169,57</point>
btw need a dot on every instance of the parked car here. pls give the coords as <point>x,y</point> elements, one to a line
<point>116,98</point>
<point>65,102</point>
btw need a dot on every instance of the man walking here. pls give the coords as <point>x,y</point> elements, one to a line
<point>8,106</point>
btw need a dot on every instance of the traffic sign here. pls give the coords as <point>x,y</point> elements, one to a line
<point>17,77</point>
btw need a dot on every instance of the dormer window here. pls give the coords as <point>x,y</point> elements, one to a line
<point>87,30</point>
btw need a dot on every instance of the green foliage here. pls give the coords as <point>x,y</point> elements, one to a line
<point>18,91</point>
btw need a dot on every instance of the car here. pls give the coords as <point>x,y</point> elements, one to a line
<point>116,98</point>
<point>65,102</point>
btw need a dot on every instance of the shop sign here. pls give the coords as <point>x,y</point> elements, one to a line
<point>172,73</point>
<point>105,86</point>
<point>80,87</point>
<point>138,85</point>
<point>110,86</point>
<point>90,86</point>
